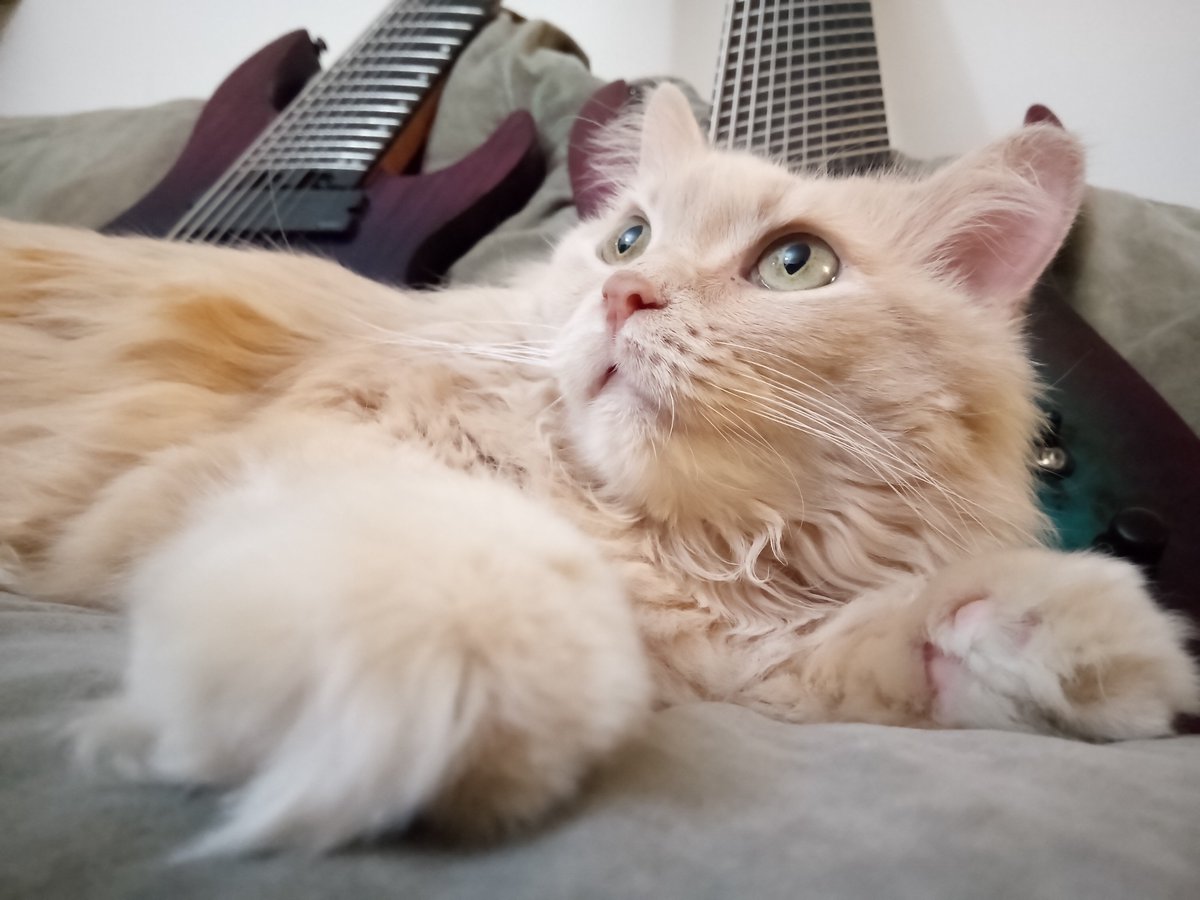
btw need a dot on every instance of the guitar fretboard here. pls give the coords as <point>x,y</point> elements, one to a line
<point>345,118</point>
<point>799,81</point>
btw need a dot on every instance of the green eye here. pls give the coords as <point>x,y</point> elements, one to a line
<point>629,242</point>
<point>798,262</point>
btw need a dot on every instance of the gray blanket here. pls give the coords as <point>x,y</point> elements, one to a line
<point>712,801</point>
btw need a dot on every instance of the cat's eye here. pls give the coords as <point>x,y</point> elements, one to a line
<point>798,262</point>
<point>630,240</point>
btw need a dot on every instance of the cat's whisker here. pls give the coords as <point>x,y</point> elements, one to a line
<point>772,412</point>
<point>889,478</point>
<point>511,352</point>
<point>746,428</point>
<point>866,432</point>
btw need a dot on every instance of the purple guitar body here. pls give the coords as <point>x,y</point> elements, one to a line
<point>410,227</point>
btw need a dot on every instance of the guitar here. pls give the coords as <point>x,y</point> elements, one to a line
<point>799,80</point>
<point>284,154</point>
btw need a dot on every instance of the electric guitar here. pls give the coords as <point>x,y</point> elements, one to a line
<point>284,154</point>
<point>799,80</point>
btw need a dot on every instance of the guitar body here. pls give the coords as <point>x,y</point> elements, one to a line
<point>247,101</point>
<point>1129,450</point>
<point>412,226</point>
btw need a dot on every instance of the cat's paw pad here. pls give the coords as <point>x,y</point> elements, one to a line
<point>1042,641</point>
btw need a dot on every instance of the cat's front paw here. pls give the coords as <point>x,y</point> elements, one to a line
<point>352,649</point>
<point>1036,640</point>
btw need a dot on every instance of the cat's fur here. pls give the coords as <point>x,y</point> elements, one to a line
<point>390,555</point>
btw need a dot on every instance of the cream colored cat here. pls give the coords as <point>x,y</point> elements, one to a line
<point>748,436</point>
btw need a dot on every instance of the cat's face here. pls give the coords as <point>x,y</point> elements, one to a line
<point>739,335</point>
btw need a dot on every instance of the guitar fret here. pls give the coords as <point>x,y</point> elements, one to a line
<point>312,159</point>
<point>316,130</point>
<point>303,141</point>
<point>854,100</point>
<point>395,63</point>
<point>362,114</point>
<point>803,32</point>
<point>446,45</point>
<point>434,55</point>
<point>758,135</point>
<point>800,79</point>
<point>805,22</point>
<point>418,11</point>
<point>846,82</point>
<point>818,62</point>
<point>427,36</point>
<point>348,97</point>
<point>850,100</point>
<point>356,85</point>
<point>816,117</point>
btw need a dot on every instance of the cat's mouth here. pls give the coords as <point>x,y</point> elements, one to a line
<point>603,380</point>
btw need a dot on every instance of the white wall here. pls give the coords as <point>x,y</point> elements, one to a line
<point>956,72</point>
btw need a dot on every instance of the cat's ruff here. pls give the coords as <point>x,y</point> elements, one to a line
<point>389,556</point>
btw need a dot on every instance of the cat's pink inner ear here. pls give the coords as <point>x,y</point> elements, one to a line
<point>670,133</point>
<point>1002,214</point>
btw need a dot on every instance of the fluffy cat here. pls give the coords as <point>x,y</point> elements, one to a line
<point>747,436</point>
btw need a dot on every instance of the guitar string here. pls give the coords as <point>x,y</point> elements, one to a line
<point>753,127</point>
<point>215,215</point>
<point>363,67</point>
<point>772,121</point>
<point>209,207</point>
<point>758,39</point>
<point>868,95</point>
<point>208,210</point>
<point>341,80</point>
<point>787,92</point>
<point>358,69</point>
<point>780,5</point>
<point>868,102</point>
<point>246,200</point>
<point>738,72</point>
<point>719,81</point>
<point>220,218</point>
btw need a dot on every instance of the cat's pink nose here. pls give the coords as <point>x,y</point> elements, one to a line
<point>624,294</point>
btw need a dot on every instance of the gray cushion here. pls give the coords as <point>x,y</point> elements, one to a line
<point>712,801</point>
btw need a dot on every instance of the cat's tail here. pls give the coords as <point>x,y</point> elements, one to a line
<point>354,765</point>
<point>356,647</point>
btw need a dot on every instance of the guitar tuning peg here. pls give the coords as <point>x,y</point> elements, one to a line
<point>319,46</point>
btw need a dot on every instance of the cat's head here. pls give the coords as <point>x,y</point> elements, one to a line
<point>747,344</point>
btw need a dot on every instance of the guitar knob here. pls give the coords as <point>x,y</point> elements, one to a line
<point>1137,534</point>
<point>1054,461</point>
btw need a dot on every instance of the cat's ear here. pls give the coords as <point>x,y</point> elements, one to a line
<point>993,220</point>
<point>670,133</point>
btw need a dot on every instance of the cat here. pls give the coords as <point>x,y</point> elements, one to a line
<point>392,557</point>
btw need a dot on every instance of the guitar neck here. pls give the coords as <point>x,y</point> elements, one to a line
<point>346,117</point>
<point>341,123</point>
<point>799,81</point>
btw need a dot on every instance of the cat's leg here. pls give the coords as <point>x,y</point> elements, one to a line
<point>356,641</point>
<point>1028,639</point>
